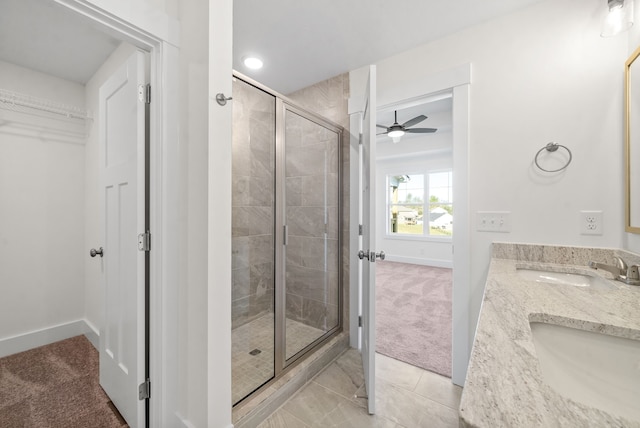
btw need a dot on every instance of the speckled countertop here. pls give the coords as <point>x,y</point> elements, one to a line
<point>504,386</point>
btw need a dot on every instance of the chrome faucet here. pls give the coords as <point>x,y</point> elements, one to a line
<point>621,272</point>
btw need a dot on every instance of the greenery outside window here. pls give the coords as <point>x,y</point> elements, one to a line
<point>420,204</point>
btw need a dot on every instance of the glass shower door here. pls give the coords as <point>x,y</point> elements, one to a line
<point>286,278</point>
<point>253,246</point>
<point>312,223</point>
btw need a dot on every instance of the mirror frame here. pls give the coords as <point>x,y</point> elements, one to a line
<point>627,146</point>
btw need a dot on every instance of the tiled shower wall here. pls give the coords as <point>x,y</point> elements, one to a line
<point>329,99</point>
<point>311,169</point>
<point>253,203</point>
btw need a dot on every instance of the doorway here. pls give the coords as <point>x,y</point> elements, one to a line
<point>60,141</point>
<point>77,307</point>
<point>456,81</point>
<point>415,215</point>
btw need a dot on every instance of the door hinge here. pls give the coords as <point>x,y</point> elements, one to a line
<point>359,320</point>
<point>144,241</point>
<point>360,229</point>
<point>144,93</point>
<point>360,139</point>
<point>144,390</point>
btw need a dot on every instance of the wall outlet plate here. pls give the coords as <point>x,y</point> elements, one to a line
<point>591,222</point>
<point>493,221</point>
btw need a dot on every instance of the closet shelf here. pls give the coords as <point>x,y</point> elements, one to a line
<point>19,102</point>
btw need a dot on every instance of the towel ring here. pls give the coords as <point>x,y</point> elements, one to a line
<point>552,147</point>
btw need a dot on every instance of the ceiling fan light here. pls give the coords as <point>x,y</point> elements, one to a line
<point>395,139</point>
<point>396,133</point>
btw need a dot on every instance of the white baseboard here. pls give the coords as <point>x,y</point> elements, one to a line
<point>45,336</point>
<point>184,423</point>
<point>93,334</point>
<point>418,261</point>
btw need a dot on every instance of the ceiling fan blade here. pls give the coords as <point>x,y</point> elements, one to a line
<point>382,133</point>
<point>420,130</point>
<point>414,121</point>
<point>381,126</point>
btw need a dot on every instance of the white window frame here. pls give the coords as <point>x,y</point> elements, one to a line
<point>426,206</point>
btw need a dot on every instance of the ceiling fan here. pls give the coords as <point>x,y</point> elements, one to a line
<point>396,130</point>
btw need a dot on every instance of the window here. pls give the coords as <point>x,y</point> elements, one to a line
<point>420,204</point>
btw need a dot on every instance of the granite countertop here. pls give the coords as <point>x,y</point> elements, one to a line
<point>504,386</point>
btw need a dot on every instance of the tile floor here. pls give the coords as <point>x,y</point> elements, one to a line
<point>407,397</point>
<point>250,371</point>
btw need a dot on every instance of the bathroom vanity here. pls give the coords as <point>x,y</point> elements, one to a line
<point>557,343</point>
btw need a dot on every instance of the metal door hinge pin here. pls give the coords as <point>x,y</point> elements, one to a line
<point>144,390</point>
<point>144,241</point>
<point>144,93</point>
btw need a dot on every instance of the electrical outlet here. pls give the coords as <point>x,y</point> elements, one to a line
<point>591,222</point>
<point>493,221</point>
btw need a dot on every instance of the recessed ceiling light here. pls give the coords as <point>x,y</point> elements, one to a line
<point>252,62</point>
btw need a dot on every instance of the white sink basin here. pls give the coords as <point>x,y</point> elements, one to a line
<point>561,278</point>
<point>595,369</point>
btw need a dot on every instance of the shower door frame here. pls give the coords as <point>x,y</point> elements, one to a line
<point>281,364</point>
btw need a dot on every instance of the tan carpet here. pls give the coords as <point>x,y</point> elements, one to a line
<point>413,315</point>
<point>55,386</point>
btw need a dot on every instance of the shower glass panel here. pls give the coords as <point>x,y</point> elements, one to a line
<point>253,244</point>
<point>285,235</point>
<point>312,193</point>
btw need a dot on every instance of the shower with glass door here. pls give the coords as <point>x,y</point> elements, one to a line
<point>286,235</point>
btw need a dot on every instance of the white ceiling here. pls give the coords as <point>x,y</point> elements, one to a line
<point>304,42</point>
<point>301,42</point>
<point>46,37</point>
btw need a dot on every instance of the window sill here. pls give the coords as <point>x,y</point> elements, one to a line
<point>442,239</point>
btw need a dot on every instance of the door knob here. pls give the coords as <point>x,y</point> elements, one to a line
<point>99,252</point>
<point>371,255</point>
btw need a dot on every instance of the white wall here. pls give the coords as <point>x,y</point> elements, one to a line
<point>219,215</point>
<point>538,75</point>
<point>94,217</point>
<point>410,157</point>
<point>193,264</point>
<point>41,208</point>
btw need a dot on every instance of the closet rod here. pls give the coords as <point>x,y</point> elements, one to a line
<point>10,100</point>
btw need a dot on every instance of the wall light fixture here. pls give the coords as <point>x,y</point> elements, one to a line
<point>619,18</point>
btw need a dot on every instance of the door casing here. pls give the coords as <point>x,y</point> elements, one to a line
<point>159,38</point>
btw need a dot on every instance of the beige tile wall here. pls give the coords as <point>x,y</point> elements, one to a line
<point>253,203</point>
<point>329,99</point>
<point>311,174</point>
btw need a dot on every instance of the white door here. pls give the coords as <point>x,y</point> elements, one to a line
<point>367,253</point>
<point>122,175</point>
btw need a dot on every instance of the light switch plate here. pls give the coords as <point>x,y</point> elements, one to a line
<point>493,221</point>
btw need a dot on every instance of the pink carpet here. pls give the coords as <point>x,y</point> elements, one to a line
<point>413,315</point>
